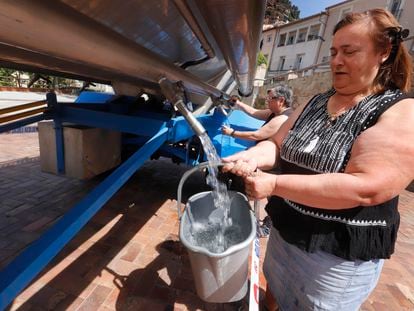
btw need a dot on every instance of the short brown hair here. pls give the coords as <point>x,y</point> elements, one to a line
<point>385,32</point>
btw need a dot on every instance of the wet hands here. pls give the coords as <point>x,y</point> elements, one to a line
<point>240,164</point>
<point>260,185</point>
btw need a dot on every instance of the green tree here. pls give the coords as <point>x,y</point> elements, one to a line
<point>280,11</point>
<point>261,59</point>
<point>6,78</point>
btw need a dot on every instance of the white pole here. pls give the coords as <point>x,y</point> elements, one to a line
<point>255,266</point>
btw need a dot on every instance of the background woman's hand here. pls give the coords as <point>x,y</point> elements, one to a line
<point>226,130</point>
<point>235,102</point>
<point>260,185</point>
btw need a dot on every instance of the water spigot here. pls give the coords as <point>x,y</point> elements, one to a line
<point>175,95</point>
<point>224,104</point>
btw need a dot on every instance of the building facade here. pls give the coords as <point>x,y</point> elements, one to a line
<point>305,43</point>
<point>296,44</point>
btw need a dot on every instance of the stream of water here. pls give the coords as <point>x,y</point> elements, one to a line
<point>218,233</point>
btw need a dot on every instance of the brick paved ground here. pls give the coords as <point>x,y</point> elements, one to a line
<point>18,147</point>
<point>127,257</point>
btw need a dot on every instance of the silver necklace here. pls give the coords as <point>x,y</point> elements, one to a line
<point>332,117</point>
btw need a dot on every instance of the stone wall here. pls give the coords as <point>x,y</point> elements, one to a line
<point>304,88</point>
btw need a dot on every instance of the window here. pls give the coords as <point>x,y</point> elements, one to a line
<point>325,59</point>
<point>302,35</point>
<point>395,8</point>
<point>314,32</point>
<point>291,38</point>
<point>282,60</point>
<point>282,40</point>
<point>298,61</point>
<point>269,38</point>
<point>344,12</point>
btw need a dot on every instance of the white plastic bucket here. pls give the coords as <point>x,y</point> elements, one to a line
<point>219,277</point>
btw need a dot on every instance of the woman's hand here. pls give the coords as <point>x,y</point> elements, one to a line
<point>226,130</point>
<point>235,102</point>
<point>240,164</point>
<point>260,185</point>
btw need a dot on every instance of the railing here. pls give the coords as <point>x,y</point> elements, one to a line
<point>21,111</point>
<point>292,74</point>
<point>24,82</point>
<point>284,75</point>
<point>67,86</point>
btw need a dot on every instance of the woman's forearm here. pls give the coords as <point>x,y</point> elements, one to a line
<point>256,113</point>
<point>249,135</point>
<point>330,191</point>
<point>265,153</point>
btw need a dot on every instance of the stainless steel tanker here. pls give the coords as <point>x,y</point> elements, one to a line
<point>208,45</point>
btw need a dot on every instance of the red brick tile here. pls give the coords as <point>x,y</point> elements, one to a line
<point>95,299</point>
<point>131,303</point>
<point>163,294</point>
<point>121,263</point>
<point>74,304</point>
<point>400,298</point>
<point>184,284</point>
<point>146,283</point>
<point>20,305</point>
<point>133,249</point>
<point>48,298</point>
<point>36,225</point>
<point>112,299</point>
<point>105,308</point>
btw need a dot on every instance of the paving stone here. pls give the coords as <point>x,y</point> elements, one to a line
<point>120,260</point>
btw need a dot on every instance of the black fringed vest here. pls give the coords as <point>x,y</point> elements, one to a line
<point>315,145</point>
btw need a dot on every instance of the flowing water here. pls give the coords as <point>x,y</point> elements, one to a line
<point>218,233</point>
<point>216,237</point>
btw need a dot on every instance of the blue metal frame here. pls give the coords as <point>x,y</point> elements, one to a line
<point>14,125</point>
<point>56,107</point>
<point>23,269</point>
<point>158,132</point>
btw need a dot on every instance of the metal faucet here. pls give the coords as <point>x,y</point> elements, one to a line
<point>175,95</point>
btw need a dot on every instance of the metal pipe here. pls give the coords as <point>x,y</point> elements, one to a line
<point>25,60</point>
<point>236,27</point>
<point>53,28</point>
<point>171,92</point>
<point>185,12</point>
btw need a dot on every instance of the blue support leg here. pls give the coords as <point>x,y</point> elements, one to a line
<point>60,151</point>
<point>25,267</point>
<point>14,125</point>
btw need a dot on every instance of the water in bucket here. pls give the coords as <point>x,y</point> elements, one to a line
<point>217,229</point>
<point>219,233</point>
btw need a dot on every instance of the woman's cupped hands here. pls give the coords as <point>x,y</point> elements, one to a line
<point>258,184</point>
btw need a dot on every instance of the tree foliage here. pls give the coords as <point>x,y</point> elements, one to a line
<point>261,59</point>
<point>280,11</point>
<point>6,78</point>
<point>16,78</point>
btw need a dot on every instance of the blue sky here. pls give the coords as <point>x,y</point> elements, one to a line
<point>310,7</point>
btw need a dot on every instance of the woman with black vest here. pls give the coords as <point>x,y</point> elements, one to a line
<point>344,157</point>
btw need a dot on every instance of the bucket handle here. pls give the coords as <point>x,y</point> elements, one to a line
<point>184,178</point>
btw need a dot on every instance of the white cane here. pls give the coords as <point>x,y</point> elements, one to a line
<point>255,265</point>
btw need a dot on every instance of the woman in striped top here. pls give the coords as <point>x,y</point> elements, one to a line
<point>343,157</point>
